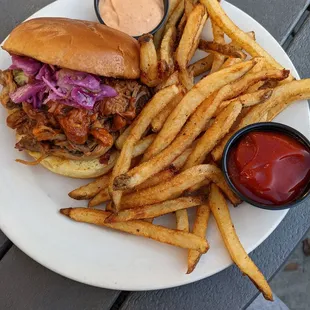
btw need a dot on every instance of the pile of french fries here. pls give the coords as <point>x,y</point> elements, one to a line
<point>169,158</point>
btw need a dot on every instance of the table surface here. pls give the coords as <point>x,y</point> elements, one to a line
<point>24,284</point>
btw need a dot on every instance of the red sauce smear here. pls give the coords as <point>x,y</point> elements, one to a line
<point>270,168</point>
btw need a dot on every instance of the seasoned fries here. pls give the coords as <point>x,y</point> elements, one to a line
<point>191,101</point>
<point>159,120</point>
<point>192,129</point>
<point>139,228</point>
<point>122,138</point>
<point>224,49</point>
<point>90,190</point>
<point>284,94</point>
<point>182,220</point>
<point>186,79</point>
<point>167,48</point>
<point>177,185</point>
<point>222,217</point>
<point>165,175</point>
<point>188,7</point>
<point>247,100</point>
<point>173,170</point>
<point>218,36</point>
<point>173,79</point>
<point>175,15</point>
<point>215,133</point>
<point>154,210</point>
<point>201,66</point>
<point>190,37</point>
<point>159,34</point>
<point>235,33</point>
<point>155,105</point>
<point>148,60</point>
<point>230,62</point>
<point>200,229</point>
<point>101,197</point>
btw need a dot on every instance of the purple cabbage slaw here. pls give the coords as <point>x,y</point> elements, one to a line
<point>73,88</point>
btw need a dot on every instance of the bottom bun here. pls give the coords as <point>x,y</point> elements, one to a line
<point>79,169</point>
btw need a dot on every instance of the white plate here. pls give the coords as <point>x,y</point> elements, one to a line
<point>32,196</point>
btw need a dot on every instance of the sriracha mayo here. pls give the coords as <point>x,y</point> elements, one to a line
<point>135,17</point>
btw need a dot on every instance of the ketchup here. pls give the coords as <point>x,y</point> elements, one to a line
<point>270,168</point>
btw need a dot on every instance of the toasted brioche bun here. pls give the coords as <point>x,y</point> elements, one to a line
<point>77,45</point>
<point>78,169</point>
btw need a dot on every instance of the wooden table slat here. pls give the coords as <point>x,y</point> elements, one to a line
<point>279,17</point>
<point>25,284</point>
<point>299,50</point>
<point>229,287</point>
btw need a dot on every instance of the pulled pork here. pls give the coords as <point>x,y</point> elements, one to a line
<point>71,132</point>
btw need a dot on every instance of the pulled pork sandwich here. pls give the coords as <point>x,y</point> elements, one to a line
<point>71,89</point>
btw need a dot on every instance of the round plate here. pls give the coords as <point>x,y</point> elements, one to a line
<point>32,196</point>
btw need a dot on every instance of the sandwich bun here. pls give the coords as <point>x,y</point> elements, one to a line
<point>83,46</point>
<point>78,45</point>
<point>78,169</point>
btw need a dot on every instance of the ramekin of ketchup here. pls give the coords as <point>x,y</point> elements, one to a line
<point>268,165</point>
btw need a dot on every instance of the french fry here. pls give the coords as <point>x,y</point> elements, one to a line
<point>213,135</point>
<point>102,197</point>
<point>254,88</point>
<point>139,228</point>
<point>181,27</point>
<point>192,129</point>
<point>109,207</point>
<point>180,160</point>
<point>182,220</point>
<point>190,37</point>
<point>198,186</point>
<point>186,79</point>
<point>230,62</point>
<point>159,120</point>
<point>167,48</point>
<point>148,59</point>
<point>236,251</point>
<point>175,15</point>
<point>235,33</point>
<point>201,66</point>
<point>159,34</point>
<point>173,79</point>
<point>142,145</point>
<point>251,34</point>
<point>218,36</point>
<point>123,137</point>
<point>284,94</point>
<point>90,190</point>
<point>155,210</point>
<point>224,49</point>
<point>163,176</point>
<point>188,7</point>
<point>153,107</point>
<point>191,101</point>
<point>199,229</point>
<point>247,100</point>
<point>174,187</point>
<point>158,178</point>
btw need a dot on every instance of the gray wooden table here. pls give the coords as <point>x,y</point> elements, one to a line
<point>24,284</point>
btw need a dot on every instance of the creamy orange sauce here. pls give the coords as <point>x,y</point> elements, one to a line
<point>134,17</point>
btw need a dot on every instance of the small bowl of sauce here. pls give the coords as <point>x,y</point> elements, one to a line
<point>268,165</point>
<point>134,17</point>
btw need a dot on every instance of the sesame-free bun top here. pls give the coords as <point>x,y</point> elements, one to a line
<point>78,45</point>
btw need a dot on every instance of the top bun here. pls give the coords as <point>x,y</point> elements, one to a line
<point>77,45</point>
